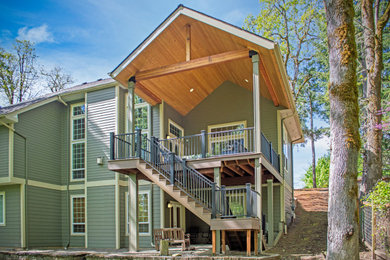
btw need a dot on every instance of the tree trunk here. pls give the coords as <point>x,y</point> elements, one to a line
<point>313,149</point>
<point>343,228</point>
<point>372,160</point>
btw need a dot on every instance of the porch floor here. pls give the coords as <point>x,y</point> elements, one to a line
<point>199,252</point>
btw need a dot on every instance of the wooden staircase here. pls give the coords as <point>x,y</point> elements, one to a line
<point>196,208</point>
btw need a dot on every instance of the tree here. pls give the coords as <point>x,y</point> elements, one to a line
<point>374,19</point>
<point>7,75</point>
<point>56,79</point>
<point>17,72</point>
<point>298,26</point>
<point>322,170</point>
<point>343,227</point>
<point>292,24</point>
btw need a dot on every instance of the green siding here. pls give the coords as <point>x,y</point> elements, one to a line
<point>277,210</point>
<point>101,119</point>
<point>43,128</point>
<point>4,141</point>
<point>228,103</point>
<point>10,235</point>
<point>122,204</point>
<point>74,241</point>
<point>101,217</point>
<point>171,113</point>
<point>156,121</point>
<point>287,205</point>
<point>44,217</point>
<point>269,127</point>
<point>144,241</point>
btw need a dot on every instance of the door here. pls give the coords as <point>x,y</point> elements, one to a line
<point>176,215</point>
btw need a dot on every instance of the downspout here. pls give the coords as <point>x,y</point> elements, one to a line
<point>26,180</point>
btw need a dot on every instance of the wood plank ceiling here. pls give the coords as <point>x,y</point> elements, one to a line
<point>170,48</point>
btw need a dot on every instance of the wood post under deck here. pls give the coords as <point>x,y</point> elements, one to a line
<point>247,225</point>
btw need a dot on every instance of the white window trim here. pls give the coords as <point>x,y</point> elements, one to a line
<point>71,215</point>
<point>77,141</point>
<point>2,193</point>
<point>171,122</point>
<point>149,212</point>
<point>220,139</point>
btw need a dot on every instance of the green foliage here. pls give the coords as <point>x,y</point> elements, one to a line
<point>17,71</point>
<point>322,172</point>
<point>380,196</point>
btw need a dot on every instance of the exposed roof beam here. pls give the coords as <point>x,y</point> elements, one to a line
<point>191,64</point>
<point>188,42</point>
<point>147,95</point>
<point>268,82</point>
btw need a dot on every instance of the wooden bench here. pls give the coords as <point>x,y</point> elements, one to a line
<point>173,236</point>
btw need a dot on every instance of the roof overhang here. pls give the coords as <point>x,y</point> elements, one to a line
<point>167,46</point>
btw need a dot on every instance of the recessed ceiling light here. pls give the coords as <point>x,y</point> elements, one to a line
<point>191,90</point>
<point>246,80</point>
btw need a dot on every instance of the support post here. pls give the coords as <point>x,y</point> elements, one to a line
<point>214,242</point>
<point>185,172</point>
<point>130,102</point>
<point>223,200</point>
<point>172,167</point>
<point>138,142</point>
<point>258,200</point>
<point>217,180</point>
<point>213,201</point>
<point>256,101</point>
<point>204,143</point>
<point>224,242</point>
<point>133,213</point>
<point>153,152</point>
<point>270,206</point>
<point>248,242</point>
<point>248,200</point>
<point>112,146</point>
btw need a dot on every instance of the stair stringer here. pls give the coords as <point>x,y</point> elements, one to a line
<point>201,212</point>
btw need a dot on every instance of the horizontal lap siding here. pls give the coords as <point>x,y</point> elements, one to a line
<point>43,128</point>
<point>101,119</point>
<point>10,235</point>
<point>277,209</point>
<point>287,205</point>
<point>122,205</point>
<point>101,217</point>
<point>228,103</point>
<point>74,241</point>
<point>4,140</point>
<point>268,114</point>
<point>156,121</point>
<point>44,217</point>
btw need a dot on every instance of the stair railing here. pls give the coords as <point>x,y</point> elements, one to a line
<point>221,201</point>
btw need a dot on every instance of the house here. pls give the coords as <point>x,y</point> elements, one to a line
<point>195,130</point>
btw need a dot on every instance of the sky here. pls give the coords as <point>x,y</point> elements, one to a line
<point>89,38</point>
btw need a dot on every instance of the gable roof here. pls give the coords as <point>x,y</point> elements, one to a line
<point>167,46</point>
<point>22,106</point>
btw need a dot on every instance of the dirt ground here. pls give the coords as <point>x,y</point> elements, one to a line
<point>306,238</point>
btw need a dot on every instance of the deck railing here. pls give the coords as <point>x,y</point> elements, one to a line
<point>238,201</point>
<point>221,143</point>
<point>221,201</point>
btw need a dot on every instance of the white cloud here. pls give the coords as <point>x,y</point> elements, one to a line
<point>235,17</point>
<point>36,34</point>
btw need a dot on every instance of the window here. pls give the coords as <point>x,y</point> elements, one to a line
<point>144,212</point>
<point>2,208</point>
<point>78,141</point>
<point>174,129</point>
<point>141,114</point>
<point>78,215</point>
<point>285,149</point>
<point>227,138</point>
